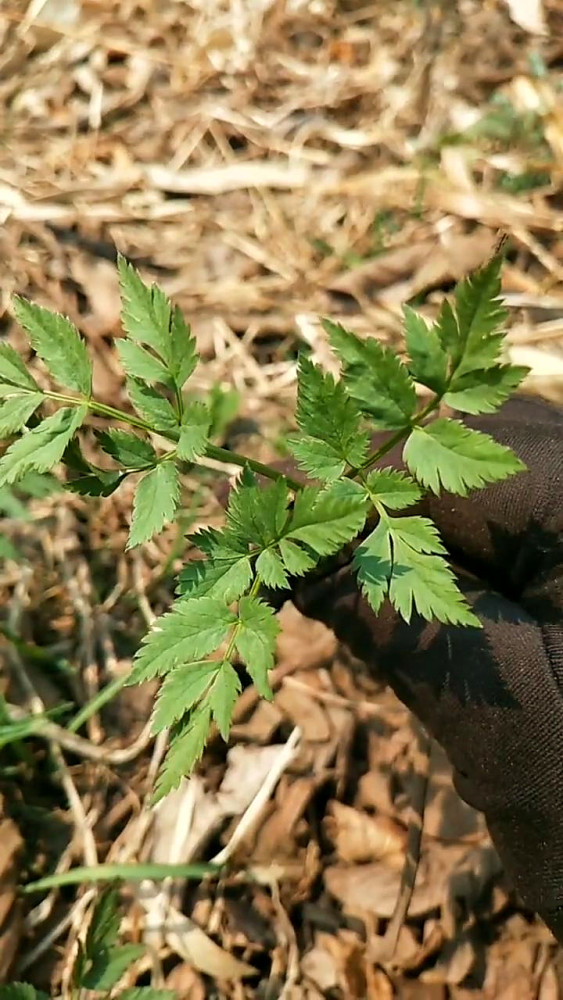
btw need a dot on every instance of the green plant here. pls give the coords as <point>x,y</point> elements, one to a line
<point>284,529</point>
<point>100,962</point>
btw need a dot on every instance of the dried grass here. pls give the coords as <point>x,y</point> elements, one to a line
<point>267,161</point>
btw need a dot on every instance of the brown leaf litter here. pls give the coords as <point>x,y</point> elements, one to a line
<point>268,163</point>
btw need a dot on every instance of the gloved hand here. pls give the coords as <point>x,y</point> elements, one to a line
<point>493,697</point>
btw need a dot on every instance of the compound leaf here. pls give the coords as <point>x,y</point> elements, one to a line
<point>225,574</point>
<point>419,533</point>
<point>109,965</point>
<point>104,925</point>
<point>223,696</point>
<point>156,498</point>
<point>391,488</point>
<point>145,310</point>
<point>192,630</point>
<point>151,406</point>
<point>57,342</point>
<point>194,431</point>
<point>271,570</point>
<point>149,318</point>
<point>428,360</point>
<point>473,337</point>
<point>258,515</point>
<point>183,349</point>
<point>255,640</point>
<point>375,377</point>
<point>13,370</point>
<point>296,561</point>
<point>185,750</point>
<point>129,450</point>
<point>373,563</point>
<point>328,519</point>
<point>182,689</point>
<point>446,454</point>
<point>41,448</point>
<point>140,363</point>
<point>426,582</point>
<point>15,411</point>
<point>330,421</point>
<point>483,391</point>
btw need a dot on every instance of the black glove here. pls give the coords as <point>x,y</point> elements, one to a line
<point>493,697</point>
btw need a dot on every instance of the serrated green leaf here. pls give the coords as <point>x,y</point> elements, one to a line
<point>149,318</point>
<point>38,485</point>
<point>318,458</point>
<point>270,568</point>
<point>255,640</point>
<point>146,312</point>
<point>147,993</point>
<point>374,565</point>
<point>428,360</point>
<point>129,450</point>
<point>13,370</point>
<point>446,454</point>
<point>41,448</point>
<point>426,583</point>
<point>375,377</point>
<point>15,411</point>
<point>474,338</point>
<point>141,364</point>
<point>419,533</point>
<point>183,349</point>
<point>332,437</point>
<point>194,431</point>
<point>96,484</point>
<point>104,925</point>
<point>151,406</point>
<point>392,489</point>
<point>109,965</point>
<point>328,519</point>
<point>181,690</point>
<point>21,991</point>
<point>225,575</point>
<point>223,696</point>
<point>57,342</point>
<point>185,750</point>
<point>192,630</point>
<point>296,560</point>
<point>156,498</point>
<point>90,481</point>
<point>483,391</point>
<point>258,515</point>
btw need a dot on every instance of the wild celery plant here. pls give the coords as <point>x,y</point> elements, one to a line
<point>285,529</point>
<point>100,962</point>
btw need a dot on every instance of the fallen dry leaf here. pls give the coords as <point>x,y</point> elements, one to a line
<point>358,837</point>
<point>374,887</point>
<point>11,844</point>
<point>302,642</point>
<point>190,942</point>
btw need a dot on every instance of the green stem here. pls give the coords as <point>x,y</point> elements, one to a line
<point>376,455</point>
<point>212,451</point>
<point>128,872</point>
<point>232,457</point>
